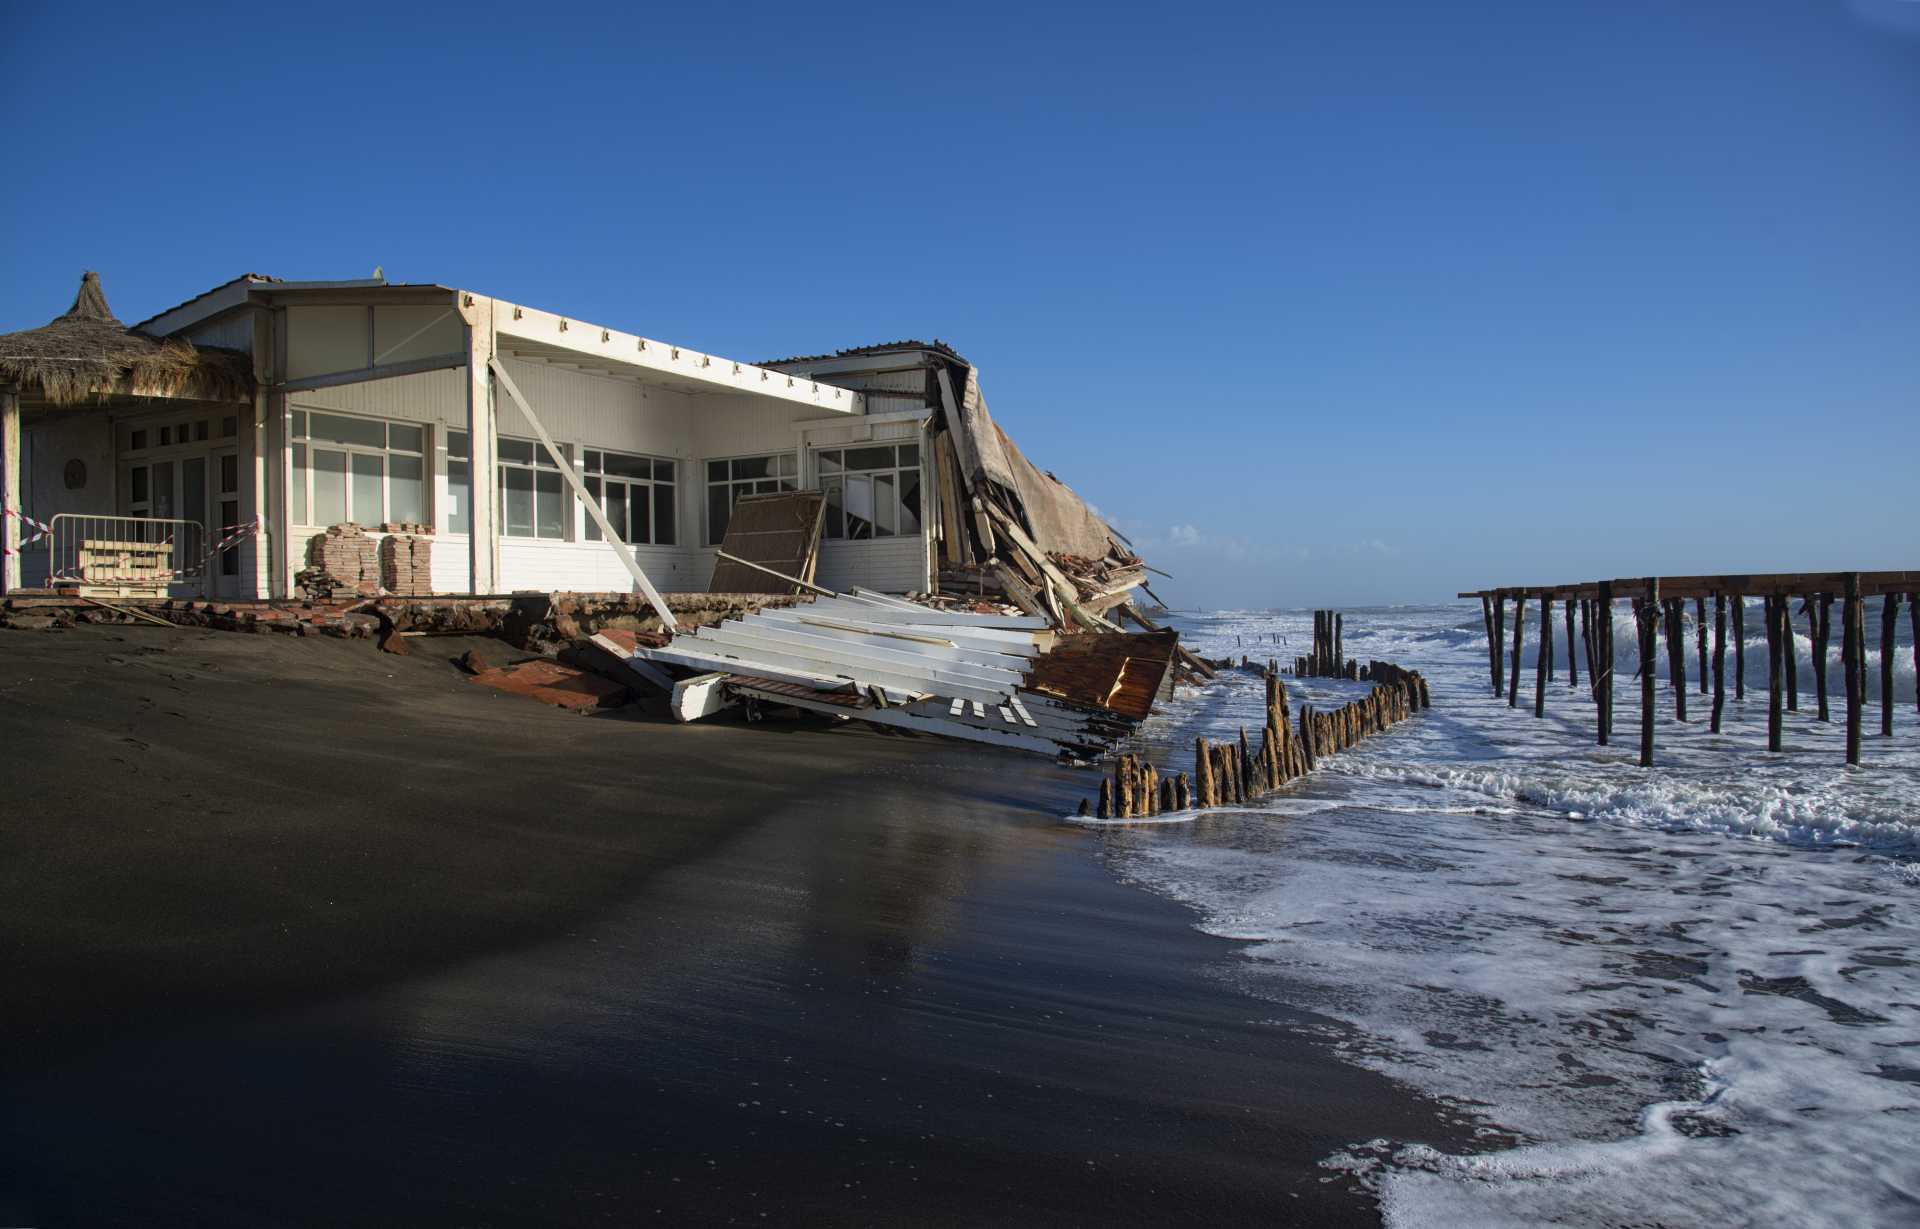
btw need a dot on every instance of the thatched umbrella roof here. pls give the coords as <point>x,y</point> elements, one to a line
<point>87,354</point>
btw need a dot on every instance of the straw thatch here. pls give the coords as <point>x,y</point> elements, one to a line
<point>87,354</point>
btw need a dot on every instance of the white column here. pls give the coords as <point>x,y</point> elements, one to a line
<point>10,486</point>
<point>483,536</point>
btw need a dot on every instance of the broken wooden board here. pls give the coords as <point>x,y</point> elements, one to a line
<point>781,532</point>
<point>552,683</point>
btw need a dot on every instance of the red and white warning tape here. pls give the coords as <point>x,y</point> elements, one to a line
<point>41,530</point>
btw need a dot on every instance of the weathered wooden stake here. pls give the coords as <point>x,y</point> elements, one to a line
<point>1202,773</point>
<point>1889,623</point>
<point>1789,653</point>
<point>1913,617</point>
<point>1573,655</point>
<point>1739,646</point>
<point>1646,613</point>
<point>1603,640</point>
<point>1519,638</point>
<point>1700,631</point>
<point>1853,656</point>
<point>1818,607</point>
<point>1776,654</point>
<point>1677,657</point>
<point>1543,660</point>
<point>1499,642</point>
<point>1493,652</point>
<point>1719,658</point>
<point>1106,798</point>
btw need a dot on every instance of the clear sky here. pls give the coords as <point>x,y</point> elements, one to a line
<point>1321,303</point>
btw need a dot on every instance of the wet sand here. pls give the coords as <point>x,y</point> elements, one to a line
<point>298,933</point>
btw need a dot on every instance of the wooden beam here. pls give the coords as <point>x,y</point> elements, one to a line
<point>592,505</point>
<point>1819,610</point>
<point>1603,640</point>
<point>1789,654</point>
<point>1739,645</point>
<point>1677,657</point>
<point>1573,656</point>
<point>382,371</point>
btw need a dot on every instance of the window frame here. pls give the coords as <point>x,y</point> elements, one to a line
<point>774,479</point>
<point>540,463</point>
<point>599,484</point>
<point>835,528</point>
<point>302,447</point>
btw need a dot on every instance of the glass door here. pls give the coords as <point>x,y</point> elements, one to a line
<point>226,520</point>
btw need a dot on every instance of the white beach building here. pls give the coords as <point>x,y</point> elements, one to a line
<point>377,402</point>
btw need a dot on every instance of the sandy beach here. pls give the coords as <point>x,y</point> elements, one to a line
<point>301,933</point>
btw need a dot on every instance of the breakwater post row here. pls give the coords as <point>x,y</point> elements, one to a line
<point>1660,607</point>
<point>1230,773</point>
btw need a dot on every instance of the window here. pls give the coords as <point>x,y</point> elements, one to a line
<point>459,484</point>
<point>138,441</point>
<point>872,492</point>
<point>727,481</point>
<point>357,469</point>
<point>533,495</point>
<point>636,493</point>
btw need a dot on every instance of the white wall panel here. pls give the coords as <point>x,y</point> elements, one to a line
<point>326,339</point>
<point>430,396</point>
<point>598,411</point>
<point>232,332</point>
<point>590,567</point>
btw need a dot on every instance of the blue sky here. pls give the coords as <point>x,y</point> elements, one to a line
<point>1325,303</point>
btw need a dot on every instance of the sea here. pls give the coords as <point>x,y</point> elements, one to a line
<point>1685,995</point>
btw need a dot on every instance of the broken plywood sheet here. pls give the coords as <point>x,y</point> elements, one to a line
<point>1121,672</point>
<point>552,683</point>
<point>780,531</point>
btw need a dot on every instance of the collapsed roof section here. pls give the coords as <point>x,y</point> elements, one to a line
<point>1006,527</point>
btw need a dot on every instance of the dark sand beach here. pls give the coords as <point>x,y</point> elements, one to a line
<point>299,933</point>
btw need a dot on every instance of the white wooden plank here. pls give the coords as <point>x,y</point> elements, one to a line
<point>716,657</point>
<point>978,711</point>
<point>910,719</point>
<point>699,697</point>
<point>751,649</point>
<point>1027,644</point>
<point>959,706</point>
<point>855,661</point>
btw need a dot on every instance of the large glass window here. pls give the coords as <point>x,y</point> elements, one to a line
<point>872,492</point>
<point>533,495</point>
<point>636,493</point>
<point>363,470</point>
<point>727,481</point>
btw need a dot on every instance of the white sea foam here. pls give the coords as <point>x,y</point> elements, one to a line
<point>1687,996</point>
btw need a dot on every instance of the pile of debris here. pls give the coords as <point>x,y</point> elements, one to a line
<point>1006,679</point>
<point>341,562</point>
<point>406,559</point>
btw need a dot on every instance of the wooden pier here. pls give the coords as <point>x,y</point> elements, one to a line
<point>1659,607</point>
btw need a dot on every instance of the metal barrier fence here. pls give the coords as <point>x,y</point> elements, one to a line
<point>128,556</point>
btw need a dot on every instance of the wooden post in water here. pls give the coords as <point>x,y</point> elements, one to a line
<point>1573,656</point>
<point>1499,643</point>
<point>1519,638</point>
<point>1789,653</point>
<point>1889,623</point>
<point>1819,610</point>
<point>1586,641</point>
<point>1913,617</point>
<point>1543,661</point>
<point>1719,658</point>
<point>1202,774</point>
<point>1603,640</point>
<point>1775,654</point>
<point>1700,632</point>
<point>1646,613</point>
<point>1677,657</point>
<point>1493,652</point>
<point>1739,646</point>
<point>1852,657</point>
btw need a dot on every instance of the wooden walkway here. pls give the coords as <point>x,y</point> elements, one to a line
<point>1659,602</point>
